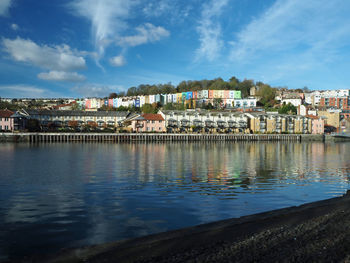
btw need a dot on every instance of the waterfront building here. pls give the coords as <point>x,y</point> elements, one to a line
<point>6,120</point>
<point>205,121</point>
<point>77,118</point>
<point>317,126</point>
<point>278,123</point>
<point>148,122</point>
<point>331,117</point>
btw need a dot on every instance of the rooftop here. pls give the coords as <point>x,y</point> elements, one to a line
<point>6,113</point>
<point>153,117</point>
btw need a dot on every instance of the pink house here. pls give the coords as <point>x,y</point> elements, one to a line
<point>148,122</point>
<point>6,122</point>
<point>317,124</point>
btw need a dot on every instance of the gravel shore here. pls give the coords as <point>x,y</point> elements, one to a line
<point>315,232</point>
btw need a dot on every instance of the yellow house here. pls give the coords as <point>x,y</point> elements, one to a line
<point>179,97</point>
<point>331,118</point>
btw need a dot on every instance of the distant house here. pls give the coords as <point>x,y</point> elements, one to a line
<point>68,106</point>
<point>148,122</point>
<point>6,121</point>
<point>345,125</point>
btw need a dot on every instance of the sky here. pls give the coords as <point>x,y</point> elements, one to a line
<point>85,48</point>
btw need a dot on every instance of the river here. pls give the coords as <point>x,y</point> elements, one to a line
<point>63,195</point>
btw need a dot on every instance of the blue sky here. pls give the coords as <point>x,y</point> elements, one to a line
<point>80,48</point>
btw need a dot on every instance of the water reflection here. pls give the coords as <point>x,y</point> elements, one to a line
<point>62,195</point>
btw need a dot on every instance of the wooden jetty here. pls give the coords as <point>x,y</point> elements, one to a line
<point>163,137</point>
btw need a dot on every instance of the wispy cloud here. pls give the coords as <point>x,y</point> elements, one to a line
<point>95,90</point>
<point>145,34</point>
<point>14,27</point>
<point>315,27</point>
<point>117,61</point>
<point>107,18</point>
<point>5,6</point>
<point>26,91</point>
<point>174,11</point>
<point>209,30</point>
<point>61,76</point>
<point>109,24</point>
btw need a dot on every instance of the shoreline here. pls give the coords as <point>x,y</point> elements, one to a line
<point>160,137</point>
<point>317,232</point>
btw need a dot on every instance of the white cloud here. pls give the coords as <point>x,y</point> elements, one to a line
<point>95,90</point>
<point>107,18</point>
<point>209,29</point>
<point>109,24</point>
<point>4,7</point>
<point>174,12</point>
<point>25,91</point>
<point>60,58</point>
<point>61,76</point>
<point>117,61</point>
<point>145,34</point>
<point>14,27</point>
<point>310,29</point>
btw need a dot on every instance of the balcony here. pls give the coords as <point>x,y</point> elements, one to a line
<point>198,123</point>
<point>185,123</point>
<point>209,124</point>
<point>232,124</point>
<point>221,124</point>
<point>242,124</point>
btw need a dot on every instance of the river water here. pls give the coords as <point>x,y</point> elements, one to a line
<point>55,196</point>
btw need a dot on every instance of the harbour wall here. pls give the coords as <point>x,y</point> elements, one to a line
<point>163,137</point>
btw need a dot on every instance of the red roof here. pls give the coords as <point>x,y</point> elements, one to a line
<point>312,117</point>
<point>153,117</point>
<point>6,113</point>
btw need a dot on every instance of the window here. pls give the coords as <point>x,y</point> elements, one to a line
<point>6,119</point>
<point>153,121</point>
<point>152,128</point>
<point>148,121</point>
<point>147,128</point>
<point>160,128</point>
<point>6,127</point>
<point>160,121</point>
<point>0,119</point>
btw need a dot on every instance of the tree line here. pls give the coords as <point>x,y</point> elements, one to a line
<point>192,85</point>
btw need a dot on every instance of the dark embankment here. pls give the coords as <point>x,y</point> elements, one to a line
<point>315,232</point>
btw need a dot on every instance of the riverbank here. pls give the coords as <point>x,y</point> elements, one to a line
<point>152,137</point>
<point>314,232</point>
